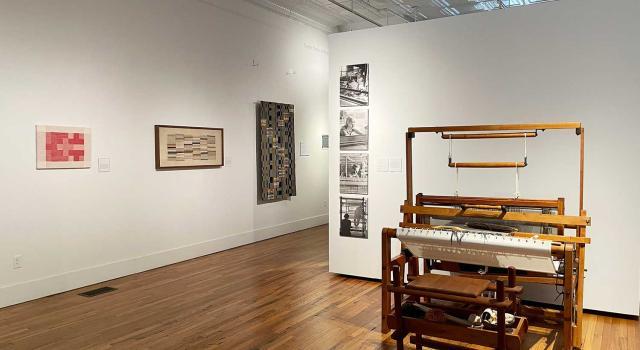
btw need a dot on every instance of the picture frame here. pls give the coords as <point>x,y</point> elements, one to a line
<point>354,130</point>
<point>354,85</point>
<point>354,217</point>
<point>354,173</point>
<point>188,147</point>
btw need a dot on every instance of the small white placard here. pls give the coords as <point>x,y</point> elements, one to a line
<point>382,165</point>
<point>395,165</point>
<point>304,150</point>
<point>104,165</point>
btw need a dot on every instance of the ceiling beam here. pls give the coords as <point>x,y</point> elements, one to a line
<point>287,12</point>
<point>356,13</point>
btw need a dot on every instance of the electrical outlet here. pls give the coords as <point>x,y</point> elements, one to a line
<point>17,262</point>
<point>324,204</point>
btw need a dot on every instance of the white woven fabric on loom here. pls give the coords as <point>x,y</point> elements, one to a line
<point>479,248</point>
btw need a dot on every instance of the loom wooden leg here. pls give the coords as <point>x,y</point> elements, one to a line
<point>580,254</point>
<point>567,326</point>
<point>386,296</point>
<point>399,344</point>
<point>577,337</point>
<point>397,300</point>
<point>397,305</point>
<point>386,306</point>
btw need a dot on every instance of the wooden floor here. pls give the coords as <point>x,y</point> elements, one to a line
<point>275,294</point>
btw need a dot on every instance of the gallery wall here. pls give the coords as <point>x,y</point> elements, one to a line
<point>568,60</point>
<point>120,67</point>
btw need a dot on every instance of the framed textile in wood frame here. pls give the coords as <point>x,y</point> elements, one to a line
<point>275,150</point>
<point>187,147</point>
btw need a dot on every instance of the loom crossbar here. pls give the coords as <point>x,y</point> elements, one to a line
<point>499,127</point>
<point>534,218</point>
<point>487,164</point>
<point>495,135</point>
<point>508,202</point>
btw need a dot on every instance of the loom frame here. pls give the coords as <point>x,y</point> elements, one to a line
<point>417,215</point>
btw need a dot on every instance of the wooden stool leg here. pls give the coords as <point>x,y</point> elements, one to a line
<point>418,341</point>
<point>512,296</point>
<point>414,271</point>
<point>502,339</point>
<point>397,305</point>
<point>425,267</point>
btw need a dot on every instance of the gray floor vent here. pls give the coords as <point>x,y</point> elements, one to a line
<point>96,292</point>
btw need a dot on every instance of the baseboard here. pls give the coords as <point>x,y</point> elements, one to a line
<point>38,288</point>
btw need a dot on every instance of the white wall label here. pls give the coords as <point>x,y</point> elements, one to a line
<point>104,165</point>
<point>395,165</point>
<point>325,141</point>
<point>304,150</point>
<point>382,165</point>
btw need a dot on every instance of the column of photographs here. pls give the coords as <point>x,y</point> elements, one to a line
<point>354,147</point>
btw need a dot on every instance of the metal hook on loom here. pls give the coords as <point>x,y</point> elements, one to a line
<point>457,180</point>
<point>517,193</point>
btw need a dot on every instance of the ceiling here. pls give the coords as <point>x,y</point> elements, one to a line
<point>346,15</point>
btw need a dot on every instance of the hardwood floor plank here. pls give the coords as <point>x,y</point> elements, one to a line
<point>275,294</point>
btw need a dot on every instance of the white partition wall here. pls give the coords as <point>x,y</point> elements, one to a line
<point>568,60</point>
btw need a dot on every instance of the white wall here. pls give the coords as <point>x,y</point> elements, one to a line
<point>120,67</point>
<point>562,61</point>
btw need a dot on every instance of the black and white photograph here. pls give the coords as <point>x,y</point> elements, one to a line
<point>354,85</point>
<point>354,173</point>
<point>354,130</point>
<point>353,217</point>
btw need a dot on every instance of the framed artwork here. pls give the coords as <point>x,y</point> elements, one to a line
<point>354,130</point>
<point>354,173</point>
<point>353,217</point>
<point>62,147</point>
<point>354,85</point>
<point>187,147</point>
<point>275,151</point>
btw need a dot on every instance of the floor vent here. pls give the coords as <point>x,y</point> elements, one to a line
<point>96,292</point>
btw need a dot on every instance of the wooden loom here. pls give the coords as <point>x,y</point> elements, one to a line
<point>419,213</point>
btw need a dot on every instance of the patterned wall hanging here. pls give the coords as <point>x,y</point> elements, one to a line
<point>275,152</point>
